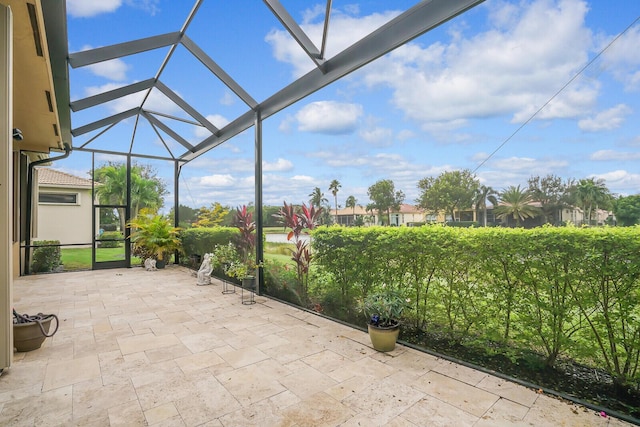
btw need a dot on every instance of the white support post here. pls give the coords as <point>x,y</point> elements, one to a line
<point>6,186</point>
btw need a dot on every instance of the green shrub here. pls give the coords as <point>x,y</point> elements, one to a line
<point>201,240</point>
<point>45,258</point>
<point>107,242</point>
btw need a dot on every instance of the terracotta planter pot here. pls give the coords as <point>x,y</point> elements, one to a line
<point>29,336</point>
<point>384,338</point>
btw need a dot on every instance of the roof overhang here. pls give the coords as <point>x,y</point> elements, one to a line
<point>40,75</point>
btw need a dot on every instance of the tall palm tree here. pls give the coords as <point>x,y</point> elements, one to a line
<point>483,194</point>
<point>317,198</point>
<point>589,194</point>
<point>334,187</point>
<point>351,203</point>
<point>516,204</point>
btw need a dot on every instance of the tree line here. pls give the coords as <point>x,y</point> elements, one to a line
<point>451,192</point>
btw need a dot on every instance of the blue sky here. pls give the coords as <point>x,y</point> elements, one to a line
<point>445,101</point>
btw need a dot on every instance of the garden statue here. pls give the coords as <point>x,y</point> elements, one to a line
<point>150,264</point>
<point>204,273</point>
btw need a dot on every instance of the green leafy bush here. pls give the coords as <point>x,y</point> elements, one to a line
<point>107,242</point>
<point>199,241</point>
<point>45,258</point>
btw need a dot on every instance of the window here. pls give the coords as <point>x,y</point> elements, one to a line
<point>58,198</point>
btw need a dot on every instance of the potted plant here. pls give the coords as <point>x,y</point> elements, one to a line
<point>154,236</point>
<point>383,309</point>
<point>244,266</point>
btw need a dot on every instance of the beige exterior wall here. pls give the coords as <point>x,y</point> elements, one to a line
<point>68,223</point>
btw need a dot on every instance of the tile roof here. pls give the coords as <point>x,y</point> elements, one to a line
<point>52,177</point>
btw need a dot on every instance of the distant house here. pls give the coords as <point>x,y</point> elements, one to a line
<point>64,207</point>
<point>407,215</point>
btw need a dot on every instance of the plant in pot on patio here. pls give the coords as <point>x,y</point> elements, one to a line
<point>244,266</point>
<point>153,236</point>
<point>383,309</point>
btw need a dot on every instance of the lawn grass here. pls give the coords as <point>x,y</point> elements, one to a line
<point>80,258</point>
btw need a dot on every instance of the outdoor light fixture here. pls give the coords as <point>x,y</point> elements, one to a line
<point>17,134</point>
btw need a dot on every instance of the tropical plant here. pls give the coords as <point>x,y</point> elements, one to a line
<point>245,244</point>
<point>351,203</point>
<point>627,210</point>
<point>302,222</point>
<point>334,187</point>
<point>552,194</point>
<point>384,197</point>
<point>451,191</point>
<point>154,234</point>
<point>212,216</point>
<point>591,193</point>
<point>484,193</point>
<point>317,198</point>
<point>147,189</point>
<point>516,204</point>
<point>384,308</point>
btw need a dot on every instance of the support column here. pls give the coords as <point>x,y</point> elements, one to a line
<point>6,186</point>
<point>258,202</point>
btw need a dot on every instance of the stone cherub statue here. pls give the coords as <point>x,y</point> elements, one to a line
<point>204,273</point>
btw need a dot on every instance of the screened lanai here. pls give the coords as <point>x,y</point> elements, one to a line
<point>158,118</point>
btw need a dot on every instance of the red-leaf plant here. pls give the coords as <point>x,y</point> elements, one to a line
<point>246,240</point>
<point>299,223</point>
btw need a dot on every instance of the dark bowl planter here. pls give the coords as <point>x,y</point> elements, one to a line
<point>160,263</point>
<point>30,336</point>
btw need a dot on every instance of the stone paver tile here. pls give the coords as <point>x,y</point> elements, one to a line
<point>459,372</point>
<point>167,353</point>
<point>272,341</point>
<point>430,411</point>
<point>456,393</point>
<point>64,373</point>
<point>22,375</point>
<point>251,384</point>
<point>195,362</point>
<point>126,415</point>
<point>202,341</point>
<point>383,401</point>
<point>314,382</point>
<point>376,420</point>
<point>50,408</point>
<point>350,387</point>
<point>207,401</point>
<point>92,397</point>
<point>267,412</point>
<point>508,390</point>
<point>163,390</point>
<point>413,361</point>
<point>161,413</point>
<point>242,357</point>
<point>325,361</point>
<point>504,412</point>
<point>137,343</point>
<point>363,367</point>
<point>550,411</point>
<point>318,410</point>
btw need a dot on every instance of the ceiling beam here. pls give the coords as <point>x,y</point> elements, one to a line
<point>88,57</point>
<point>186,107</point>
<point>166,129</point>
<point>105,122</point>
<point>101,98</point>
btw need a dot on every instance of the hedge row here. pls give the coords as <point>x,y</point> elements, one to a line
<point>567,291</point>
<point>199,241</point>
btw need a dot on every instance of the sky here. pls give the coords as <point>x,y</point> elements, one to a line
<point>508,90</point>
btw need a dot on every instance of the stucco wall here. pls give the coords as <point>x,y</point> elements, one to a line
<point>65,222</point>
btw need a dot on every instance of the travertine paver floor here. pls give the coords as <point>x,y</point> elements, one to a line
<point>151,348</point>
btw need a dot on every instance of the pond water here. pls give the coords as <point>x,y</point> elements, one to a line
<point>282,238</point>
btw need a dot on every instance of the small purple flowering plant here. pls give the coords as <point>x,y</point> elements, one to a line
<point>384,308</point>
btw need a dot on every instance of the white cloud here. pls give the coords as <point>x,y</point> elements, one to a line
<point>280,165</point>
<point>227,98</point>
<point>621,181</point>
<point>329,117</point>
<point>346,29</point>
<point>157,101</point>
<point>377,136</point>
<point>622,59</point>
<point>620,156</point>
<point>225,180</point>
<point>85,8</point>
<point>606,120</point>
<point>513,67</point>
<point>215,119</point>
<point>115,69</point>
